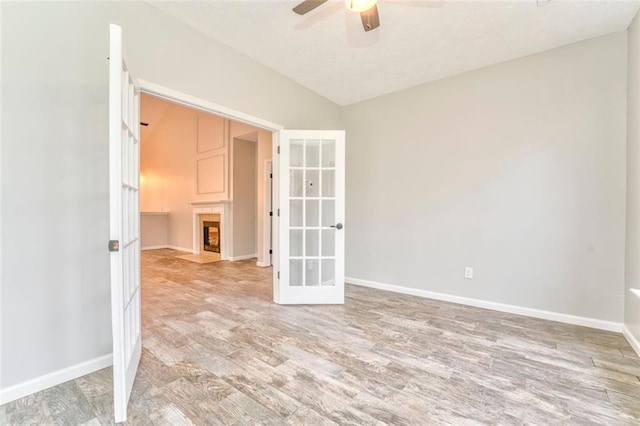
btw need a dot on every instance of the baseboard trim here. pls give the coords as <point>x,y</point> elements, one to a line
<point>243,257</point>
<point>54,378</point>
<point>635,343</point>
<point>153,248</point>
<point>187,250</point>
<point>512,309</point>
<point>262,264</point>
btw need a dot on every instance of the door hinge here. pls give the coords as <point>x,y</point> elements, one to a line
<point>270,175</point>
<point>278,274</point>
<point>270,213</point>
<point>114,245</point>
<point>278,212</point>
<point>270,251</point>
<point>278,149</point>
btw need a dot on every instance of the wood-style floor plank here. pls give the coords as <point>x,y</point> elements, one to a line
<point>217,351</point>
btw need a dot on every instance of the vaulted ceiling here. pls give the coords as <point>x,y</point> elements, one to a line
<point>418,41</point>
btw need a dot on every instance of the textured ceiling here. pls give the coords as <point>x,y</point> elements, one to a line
<point>418,41</point>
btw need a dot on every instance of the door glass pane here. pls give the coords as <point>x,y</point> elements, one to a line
<point>295,154</point>
<point>328,272</point>
<point>328,212</point>
<point>295,272</point>
<point>295,242</point>
<point>328,183</point>
<point>328,242</point>
<point>295,183</point>
<point>312,243</point>
<point>313,153</point>
<point>313,272</point>
<point>312,183</point>
<point>328,153</point>
<point>312,215</point>
<point>295,212</point>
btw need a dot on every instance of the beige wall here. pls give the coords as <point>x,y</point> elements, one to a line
<point>516,170</point>
<point>632,271</point>
<point>244,198</point>
<point>54,106</point>
<point>170,178</point>
<point>264,141</point>
<point>154,230</point>
<point>168,172</point>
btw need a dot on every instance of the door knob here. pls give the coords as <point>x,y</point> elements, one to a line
<point>337,226</point>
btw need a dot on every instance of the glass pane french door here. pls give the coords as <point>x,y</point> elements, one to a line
<point>312,217</point>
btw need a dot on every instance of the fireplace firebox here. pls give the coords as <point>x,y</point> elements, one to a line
<point>211,234</point>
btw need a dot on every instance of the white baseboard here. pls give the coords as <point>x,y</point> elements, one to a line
<point>243,257</point>
<point>154,248</point>
<point>187,250</point>
<point>635,343</point>
<point>54,378</point>
<point>263,265</point>
<point>518,310</point>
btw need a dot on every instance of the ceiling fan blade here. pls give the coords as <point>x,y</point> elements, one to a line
<point>370,18</point>
<point>307,6</point>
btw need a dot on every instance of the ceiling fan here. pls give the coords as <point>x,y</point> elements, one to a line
<point>367,9</point>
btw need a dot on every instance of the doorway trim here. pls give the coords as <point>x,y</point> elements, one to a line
<point>266,215</point>
<point>206,106</point>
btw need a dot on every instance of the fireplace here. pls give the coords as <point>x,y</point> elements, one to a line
<point>211,236</point>
<point>210,229</point>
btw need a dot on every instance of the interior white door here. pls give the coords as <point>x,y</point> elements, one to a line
<point>311,222</point>
<point>124,155</point>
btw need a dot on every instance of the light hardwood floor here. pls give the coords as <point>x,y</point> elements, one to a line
<point>216,350</point>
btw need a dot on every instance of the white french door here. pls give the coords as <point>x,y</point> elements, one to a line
<point>124,165</point>
<point>311,236</point>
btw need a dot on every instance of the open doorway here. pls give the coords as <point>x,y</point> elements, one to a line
<point>204,188</point>
<point>190,320</point>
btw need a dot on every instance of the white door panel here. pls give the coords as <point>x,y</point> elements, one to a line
<point>311,233</point>
<point>124,164</point>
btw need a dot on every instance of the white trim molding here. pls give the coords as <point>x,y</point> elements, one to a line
<point>204,105</point>
<point>54,378</point>
<point>635,344</point>
<point>153,248</point>
<point>262,265</point>
<point>494,306</point>
<point>184,249</point>
<point>243,257</point>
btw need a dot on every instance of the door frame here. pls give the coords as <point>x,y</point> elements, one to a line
<point>267,213</point>
<point>190,101</point>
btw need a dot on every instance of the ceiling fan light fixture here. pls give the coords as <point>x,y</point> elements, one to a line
<point>359,5</point>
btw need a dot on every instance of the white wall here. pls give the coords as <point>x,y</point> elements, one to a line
<point>632,271</point>
<point>244,198</point>
<point>516,170</point>
<point>56,300</point>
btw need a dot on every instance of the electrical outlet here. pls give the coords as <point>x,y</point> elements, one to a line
<point>468,273</point>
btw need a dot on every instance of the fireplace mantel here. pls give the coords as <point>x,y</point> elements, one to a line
<point>201,203</point>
